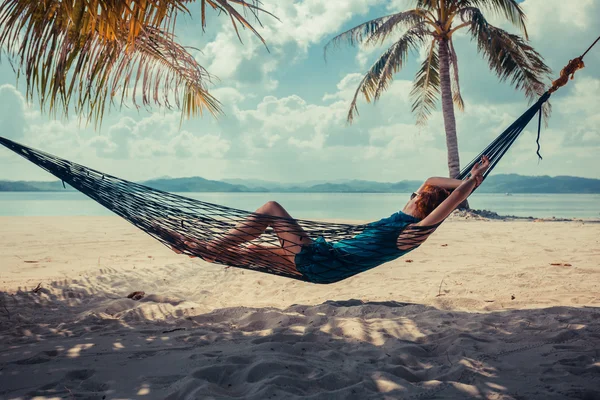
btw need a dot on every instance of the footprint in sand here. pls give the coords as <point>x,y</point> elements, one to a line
<point>80,375</point>
<point>75,384</point>
<point>404,373</point>
<point>39,358</point>
<point>217,374</point>
<point>140,355</point>
<point>162,381</point>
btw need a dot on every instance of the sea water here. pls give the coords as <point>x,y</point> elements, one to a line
<point>338,206</point>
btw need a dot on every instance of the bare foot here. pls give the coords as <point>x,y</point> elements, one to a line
<point>209,252</point>
<point>174,238</point>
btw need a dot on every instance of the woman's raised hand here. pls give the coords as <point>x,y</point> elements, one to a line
<point>479,169</point>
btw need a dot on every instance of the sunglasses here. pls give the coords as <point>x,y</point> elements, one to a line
<point>413,195</point>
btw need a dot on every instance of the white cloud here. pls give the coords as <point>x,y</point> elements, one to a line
<point>346,88</point>
<point>187,144</point>
<point>228,95</point>
<point>226,54</point>
<point>158,135</point>
<point>293,120</point>
<point>400,5</point>
<point>300,25</point>
<point>310,21</point>
<point>582,98</point>
<point>407,136</point>
<point>158,125</point>
<point>12,112</point>
<point>559,16</point>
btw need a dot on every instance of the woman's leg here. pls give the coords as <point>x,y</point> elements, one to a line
<point>273,257</point>
<point>290,234</point>
<point>229,249</point>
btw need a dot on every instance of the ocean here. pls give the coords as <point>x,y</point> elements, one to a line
<point>344,206</point>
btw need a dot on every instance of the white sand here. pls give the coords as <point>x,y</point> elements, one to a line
<point>479,313</point>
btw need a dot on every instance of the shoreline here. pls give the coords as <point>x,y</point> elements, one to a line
<point>492,215</point>
<point>474,214</point>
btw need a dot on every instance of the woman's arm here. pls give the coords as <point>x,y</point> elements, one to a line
<point>446,183</point>
<point>458,195</point>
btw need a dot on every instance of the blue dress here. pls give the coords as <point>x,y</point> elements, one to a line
<point>328,262</point>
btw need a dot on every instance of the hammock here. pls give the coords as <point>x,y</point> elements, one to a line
<point>174,219</point>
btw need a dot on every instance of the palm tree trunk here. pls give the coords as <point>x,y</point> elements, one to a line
<point>448,111</point>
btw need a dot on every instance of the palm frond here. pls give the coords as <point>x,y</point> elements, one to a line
<point>410,18</point>
<point>381,73</point>
<point>364,32</point>
<point>430,5</point>
<point>412,39</point>
<point>426,87</point>
<point>64,67</point>
<point>456,94</point>
<point>357,34</point>
<point>164,71</point>
<point>509,8</point>
<point>88,53</point>
<point>108,16</point>
<point>226,6</point>
<point>509,55</point>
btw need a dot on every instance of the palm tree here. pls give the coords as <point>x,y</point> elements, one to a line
<point>432,23</point>
<point>94,53</point>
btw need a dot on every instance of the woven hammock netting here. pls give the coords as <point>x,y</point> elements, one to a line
<point>187,225</point>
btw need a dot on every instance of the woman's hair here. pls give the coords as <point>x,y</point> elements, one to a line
<point>429,198</point>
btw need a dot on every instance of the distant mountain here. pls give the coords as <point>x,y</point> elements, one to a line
<point>356,186</point>
<point>275,186</point>
<point>194,184</point>
<point>511,183</point>
<point>32,186</point>
<point>256,184</point>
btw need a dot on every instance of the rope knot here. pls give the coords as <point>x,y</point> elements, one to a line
<point>569,71</point>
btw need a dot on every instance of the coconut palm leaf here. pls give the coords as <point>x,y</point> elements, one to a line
<point>508,55</point>
<point>456,94</point>
<point>381,73</point>
<point>411,18</point>
<point>508,8</point>
<point>377,30</point>
<point>226,6</point>
<point>431,5</point>
<point>426,87</point>
<point>412,39</point>
<point>90,53</point>
<point>163,71</point>
<point>358,34</point>
<point>108,16</point>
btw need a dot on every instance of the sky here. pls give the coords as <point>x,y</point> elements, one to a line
<point>285,108</point>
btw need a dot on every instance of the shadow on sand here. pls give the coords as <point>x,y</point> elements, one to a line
<point>344,349</point>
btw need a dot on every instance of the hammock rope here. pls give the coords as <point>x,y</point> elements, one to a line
<point>190,225</point>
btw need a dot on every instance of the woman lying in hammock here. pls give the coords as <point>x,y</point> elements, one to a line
<point>319,261</point>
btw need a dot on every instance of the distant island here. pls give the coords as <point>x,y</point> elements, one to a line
<point>508,183</point>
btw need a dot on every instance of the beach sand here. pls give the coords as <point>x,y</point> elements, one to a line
<point>484,309</point>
